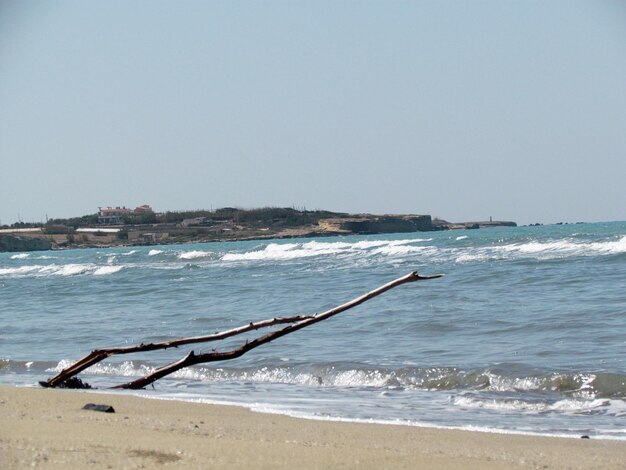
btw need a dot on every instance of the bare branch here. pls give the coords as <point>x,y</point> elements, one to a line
<point>295,323</point>
<point>193,359</point>
<point>100,354</point>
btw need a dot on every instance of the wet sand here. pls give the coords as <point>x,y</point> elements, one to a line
<point>45,428</point>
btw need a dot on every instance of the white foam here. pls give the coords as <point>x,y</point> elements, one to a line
<point>366,244</point>
<point>578,405</point>
<point>73,269</point>
<point>196,254</point>
<point>614,247</point>
<point>315,245</point>
<point>462,237</point>
<point>154,252</point>
<point>63,364</point>
<point>360,378</point>
<point>536,250</point>
<point>363,245</point>
<point>565,405</point>
<point>567,247</point>
<point>49,269</point>
<point>18,271</point>
<point>288,251</point>
<point>123,369</point>
<point>512,405</point>
<point>503,384</point>
<point>398,250</point>
<point>104,270</point>
<point>20,256</point>
<point>471,258</point>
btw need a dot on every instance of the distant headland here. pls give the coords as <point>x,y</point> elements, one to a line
<point>121,226</point>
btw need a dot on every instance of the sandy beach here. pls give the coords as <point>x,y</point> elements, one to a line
<point>49,429</point>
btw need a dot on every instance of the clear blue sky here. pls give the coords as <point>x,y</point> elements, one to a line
<point>459,109</point>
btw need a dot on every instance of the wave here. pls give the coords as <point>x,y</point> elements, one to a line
<point>105,270</point>
<point>415,250</point>
<point>540,250</point>
<point>471,258</point>
<point>290,251</point>
<point>286,251</point>
<point>401,250</point>
<point>20,256</point>
<point>72,269</point>
<point>568,405</point>
<point>581,385</point>
<point>416,247</point>
<point>568,247</point>
<point>19,271</point>
<point>188,255</point>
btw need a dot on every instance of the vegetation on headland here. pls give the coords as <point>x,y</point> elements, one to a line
<point>288,217</point>
<point>228,223</point>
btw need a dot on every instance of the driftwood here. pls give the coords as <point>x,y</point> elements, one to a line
<point>98,355</point>
<point>66,376</point>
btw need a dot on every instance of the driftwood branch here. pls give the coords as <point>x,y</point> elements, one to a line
<point>100,354</point>
<point>295,323</point>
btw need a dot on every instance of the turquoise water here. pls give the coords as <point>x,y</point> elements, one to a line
<point>525,333</point>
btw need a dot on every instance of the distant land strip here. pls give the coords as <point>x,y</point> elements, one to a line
<point>143,226</point>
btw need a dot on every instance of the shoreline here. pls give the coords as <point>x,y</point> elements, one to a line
<point>63,246</point>
<point>48,428</point>
<point>260,224</point>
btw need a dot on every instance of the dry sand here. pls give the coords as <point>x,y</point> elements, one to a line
<point>48,429</point>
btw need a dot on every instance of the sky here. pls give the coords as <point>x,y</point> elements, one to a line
<point>464,110</point>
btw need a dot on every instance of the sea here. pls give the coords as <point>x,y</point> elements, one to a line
<point>525,333</point>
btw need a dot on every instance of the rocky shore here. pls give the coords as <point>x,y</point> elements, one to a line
<point>12,243</point>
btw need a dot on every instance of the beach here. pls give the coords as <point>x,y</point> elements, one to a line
<point>45,428</point>
<point>505,362</point>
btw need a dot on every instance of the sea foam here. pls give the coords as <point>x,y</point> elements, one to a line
<point>104,270</point>
<point>196,254</point>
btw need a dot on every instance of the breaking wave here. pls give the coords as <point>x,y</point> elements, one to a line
<point>417,250</point>
<point>506,404</point>
<point>289,251</point>
<point>541,250</point>
<point>583,386</point>
<point>569,247</point>
<point>196,254</point>
<point>421,248</point>
<point>104,270</point>
<point>72,269</point>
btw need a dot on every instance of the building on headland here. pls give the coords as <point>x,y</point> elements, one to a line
<point>115,215</point>
<point>142,209</point>
<point>112,215</point>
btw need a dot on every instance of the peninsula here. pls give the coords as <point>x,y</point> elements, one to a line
<point>121,226</point>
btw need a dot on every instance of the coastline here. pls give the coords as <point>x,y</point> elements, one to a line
<point>238,225</point>
<point>49,429</point>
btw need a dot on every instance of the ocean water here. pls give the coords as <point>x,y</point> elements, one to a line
<point>526,333</point>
